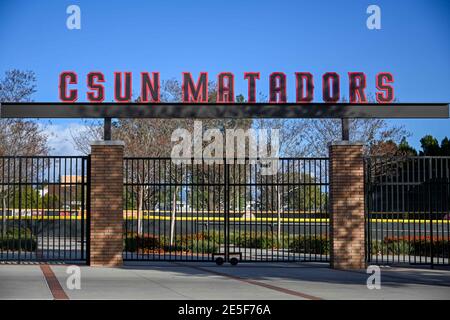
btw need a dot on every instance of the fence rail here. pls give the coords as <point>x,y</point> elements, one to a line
<point>413,194</point>
<point>43,208</point>
<point>198,211</point>
<point>201,210</point>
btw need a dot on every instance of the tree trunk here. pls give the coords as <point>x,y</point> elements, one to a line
<point>140,214</point>
<point>4,218</point>
<point>279,211</point>
<point>172,216</point>
<point>210,199</point>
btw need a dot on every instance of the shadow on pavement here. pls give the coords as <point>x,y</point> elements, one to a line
<point>308,272</point>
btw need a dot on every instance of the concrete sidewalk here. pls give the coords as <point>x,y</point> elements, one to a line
<point>168,280</point>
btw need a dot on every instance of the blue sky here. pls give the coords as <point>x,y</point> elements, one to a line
<point>254,35</point>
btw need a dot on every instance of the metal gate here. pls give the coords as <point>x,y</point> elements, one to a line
<point>44,208</point>
<point>198,211</point>
<point>408,210</point>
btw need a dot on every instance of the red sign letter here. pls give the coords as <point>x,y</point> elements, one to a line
<point>99,96</point>
<point>225,88</point>
<point>150,85</point>
<point>126,97</point>
<point>251,77</point>
<point>73,79</point>
<point>334,78</point>
<point>388,91</point>
<point>308,78</point>
<point>192,92</point>
<point>277,90</point>
<point>357,86</point>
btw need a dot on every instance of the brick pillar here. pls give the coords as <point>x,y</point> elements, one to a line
<point>106,227</point>
<point>347,205</point>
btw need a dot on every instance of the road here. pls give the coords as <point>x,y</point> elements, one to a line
<point>304,281</point>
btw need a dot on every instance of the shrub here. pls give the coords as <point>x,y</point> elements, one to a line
<point>23,232</point>
<point>16,239</point>
<point>377,247</point>
<point>318,244</point>
<point>134,242</point>
<point>396,246</point>
<point>204,246</point>
<point>257,240</point>
<point>197,243</point>
<point>213,235</point>
<point>441,248</point>
<point>413,245</point>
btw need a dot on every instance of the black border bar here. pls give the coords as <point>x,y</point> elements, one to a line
<point>216,110</point>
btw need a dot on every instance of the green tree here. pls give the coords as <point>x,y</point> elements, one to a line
<point>405,149</point>
<point>18,137</point>
<point>25,197</point>
<point>50,201</point>
<point>445,147</point>
<point>430,146</point>
<point>240,98</point>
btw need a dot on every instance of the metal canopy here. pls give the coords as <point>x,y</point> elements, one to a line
<point>216,110</point>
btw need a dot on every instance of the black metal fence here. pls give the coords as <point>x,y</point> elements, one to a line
<point>196,211</point>
<point>408,210</point>
<point>43,208</point>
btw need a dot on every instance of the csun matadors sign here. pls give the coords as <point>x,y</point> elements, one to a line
<point>196,91</point>
<point>85,97</point>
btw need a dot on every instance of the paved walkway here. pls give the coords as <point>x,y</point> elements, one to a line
<point>208,281</point>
